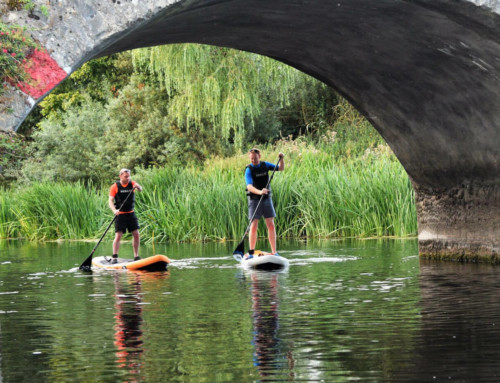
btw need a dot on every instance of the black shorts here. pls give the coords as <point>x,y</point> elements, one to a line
<point>126,222</point>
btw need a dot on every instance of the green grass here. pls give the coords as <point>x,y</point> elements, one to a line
<point>316,196</point>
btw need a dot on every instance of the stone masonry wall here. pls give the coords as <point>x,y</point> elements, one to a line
<point>69,34</point>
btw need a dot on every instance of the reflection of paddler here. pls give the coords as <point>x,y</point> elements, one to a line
<point>128,319</point>
<point>265,314</point>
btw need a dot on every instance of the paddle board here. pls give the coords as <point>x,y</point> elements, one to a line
<point>264,261</point>
<point>155,263</point>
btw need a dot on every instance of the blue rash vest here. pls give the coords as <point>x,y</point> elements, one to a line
<point>258,176</point>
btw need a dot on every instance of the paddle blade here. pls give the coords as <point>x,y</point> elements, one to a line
<point>239,251</point>
<point>86,265</point>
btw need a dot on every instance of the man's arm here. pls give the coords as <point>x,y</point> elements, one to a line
<point>111,204</point>
<point>137,186</point>
<point>282,162</point>
<point>250,187</point>
<point>254,190</point>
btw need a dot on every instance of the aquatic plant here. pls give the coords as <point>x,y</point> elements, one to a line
<point>316,196</point>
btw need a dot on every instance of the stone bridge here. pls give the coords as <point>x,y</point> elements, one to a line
<point>426,73</point>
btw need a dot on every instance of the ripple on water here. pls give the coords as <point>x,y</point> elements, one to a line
<point>373,313</point>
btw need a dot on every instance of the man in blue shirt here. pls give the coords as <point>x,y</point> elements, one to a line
<point>257,178</point>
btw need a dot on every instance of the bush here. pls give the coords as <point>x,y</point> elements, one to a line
<point>13,150</point>
<point>69,150</point>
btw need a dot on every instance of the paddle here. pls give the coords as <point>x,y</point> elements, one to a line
<point>85,266</point>
<point>240,249</point>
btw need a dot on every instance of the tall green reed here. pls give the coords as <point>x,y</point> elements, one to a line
<point>9,226</point>
<point>316,196</point>
<point>48,211</point>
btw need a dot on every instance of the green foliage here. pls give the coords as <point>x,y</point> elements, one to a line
<point>90,141</point>
<point>12,152</point>
<point>99,79</point>
<point>311,109</point>
<point>199,105</point>
<point>9,225</point>
<point>350,135</point>
<point>106,116</point>
<point>114,70</point>
<point>315,197</point>
<point>28,5</point>
<point>46,211</point>
<point>44,10</point>
<point>69,150</point>
<point>152,125</point>
<point>215,89</point>
<point>242,97</point>
<point>139,131</point>
<point>15,45</point>
<point>362,198</point>
<point>56,104</point>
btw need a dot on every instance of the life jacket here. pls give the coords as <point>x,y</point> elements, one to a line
<point>122,194</point>
<point>260,178</point>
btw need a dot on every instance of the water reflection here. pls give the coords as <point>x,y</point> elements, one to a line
<point>128,336</point>
<point>460,335</point>
<point>270,357</point>
<point>128,319</point>
<point>368,311</point>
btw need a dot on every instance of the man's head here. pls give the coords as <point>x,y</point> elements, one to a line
<point>124,176</point>
<point>254,155</point>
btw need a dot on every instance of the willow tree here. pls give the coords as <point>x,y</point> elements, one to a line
<point>214,88</point>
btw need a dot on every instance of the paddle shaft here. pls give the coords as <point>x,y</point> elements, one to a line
<point>260,200</point>
<point>86,264</point>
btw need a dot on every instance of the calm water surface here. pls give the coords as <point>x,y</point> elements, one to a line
<point>367,311</point>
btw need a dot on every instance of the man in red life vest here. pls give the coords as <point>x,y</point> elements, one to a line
<point>126,218</point>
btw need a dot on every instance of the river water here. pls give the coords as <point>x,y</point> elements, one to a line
<point>349,310</point>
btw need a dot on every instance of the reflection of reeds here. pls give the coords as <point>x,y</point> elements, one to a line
<point>315,196</point>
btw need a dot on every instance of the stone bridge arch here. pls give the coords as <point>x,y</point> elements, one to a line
<point>426,73</point>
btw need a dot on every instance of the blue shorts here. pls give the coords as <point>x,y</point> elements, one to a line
<point>266,208</point>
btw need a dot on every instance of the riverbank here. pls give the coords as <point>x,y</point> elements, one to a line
<point>316,196</point>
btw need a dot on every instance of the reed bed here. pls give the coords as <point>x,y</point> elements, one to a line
<point>48,211</point>
<point>316,196</point>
